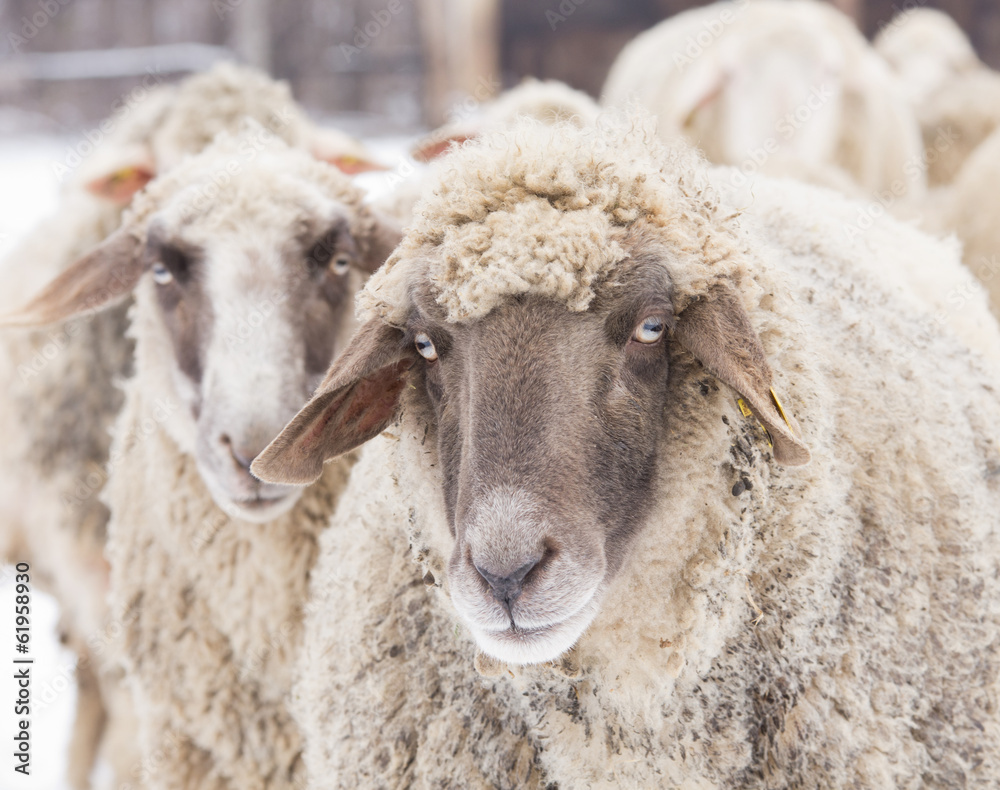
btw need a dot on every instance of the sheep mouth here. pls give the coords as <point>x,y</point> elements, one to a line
<point>520,645</point>
<point>260,509</point>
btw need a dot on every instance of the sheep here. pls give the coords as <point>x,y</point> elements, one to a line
<point>684,476</point>
<point>756,83</point>
<point>954,94</point>
<point>242,261</point>
<point>926,48</point>
<point>967,207</point>
<point>550,101</point>
<point>52,459</point>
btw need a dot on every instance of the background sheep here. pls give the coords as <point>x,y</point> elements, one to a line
<point>745,621</point>
<point>62,396</point>
<point>968,207</point>
<point>954,94</point>
<point>756,84</point>
<point>548,101</point>
<point>243,260</point>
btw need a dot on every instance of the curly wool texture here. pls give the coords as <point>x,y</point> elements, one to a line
<point>538,209</point>
<point>833,625</point>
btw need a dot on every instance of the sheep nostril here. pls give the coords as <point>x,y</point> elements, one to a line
<point>507,589</point>
<point>242,458</point>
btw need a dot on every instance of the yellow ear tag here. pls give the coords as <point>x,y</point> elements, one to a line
<point>781,410</point>
<point>745,411</point>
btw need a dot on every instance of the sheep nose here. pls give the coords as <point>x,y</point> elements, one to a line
<point>240,455</point>
<point>507,589</point>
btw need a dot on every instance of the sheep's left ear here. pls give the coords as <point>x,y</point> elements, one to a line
<point>343,152</point>
<point>355,403</point>
<point>717,330</point>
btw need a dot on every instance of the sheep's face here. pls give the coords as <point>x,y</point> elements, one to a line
<point>548,424</point>
<point>243,267</point>
<point>253,313</point>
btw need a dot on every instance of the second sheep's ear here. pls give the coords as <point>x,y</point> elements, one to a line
<point>105,275</point>
<point>718,332</point>
<point>119,176</point>
<point>355,403</point>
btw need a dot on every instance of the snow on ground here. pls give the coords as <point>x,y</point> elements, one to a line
<point>29,190</point>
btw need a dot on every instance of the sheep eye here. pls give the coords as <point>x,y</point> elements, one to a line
<point>340,265</point>
<point>161,274</point>
<point>649,331</point>
<point>425,347</point>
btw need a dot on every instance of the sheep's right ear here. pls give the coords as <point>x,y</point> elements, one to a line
<point>102,277</point>
<point>438,142</point>
<point>355,403</point>
<point>118,178</point>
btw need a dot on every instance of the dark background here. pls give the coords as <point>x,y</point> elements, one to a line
<point>428,54</point>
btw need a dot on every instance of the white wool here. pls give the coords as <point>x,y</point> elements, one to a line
<point>755,83</point>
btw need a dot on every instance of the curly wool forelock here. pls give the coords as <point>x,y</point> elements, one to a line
<point>541,210</point>
<point>212,166</point>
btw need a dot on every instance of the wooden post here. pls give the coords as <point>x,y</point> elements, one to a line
<point>461,42</point>
<point>251,33</point>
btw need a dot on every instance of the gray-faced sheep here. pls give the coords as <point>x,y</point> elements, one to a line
<point>243,261</point>
<point>775,86</point>
<point>603,376</point>
<point>61,395</point>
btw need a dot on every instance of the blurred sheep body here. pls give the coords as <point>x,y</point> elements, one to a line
<point>832,625</point>
<point>967,208</point>
<point>926,48</point>
<point>755,83</point>
<point>954,94</point>
<point>64,381</point>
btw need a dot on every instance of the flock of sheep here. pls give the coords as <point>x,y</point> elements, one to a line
<point>576,462</point>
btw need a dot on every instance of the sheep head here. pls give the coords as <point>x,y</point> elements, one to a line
<point>547,401</point>
<point>243,261</point>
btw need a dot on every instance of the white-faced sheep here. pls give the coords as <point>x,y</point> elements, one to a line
<point>590,350</point>
<point>62,397</point>
<point>954,94</point>
<point>767,83</point>
<point>243,261</point>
